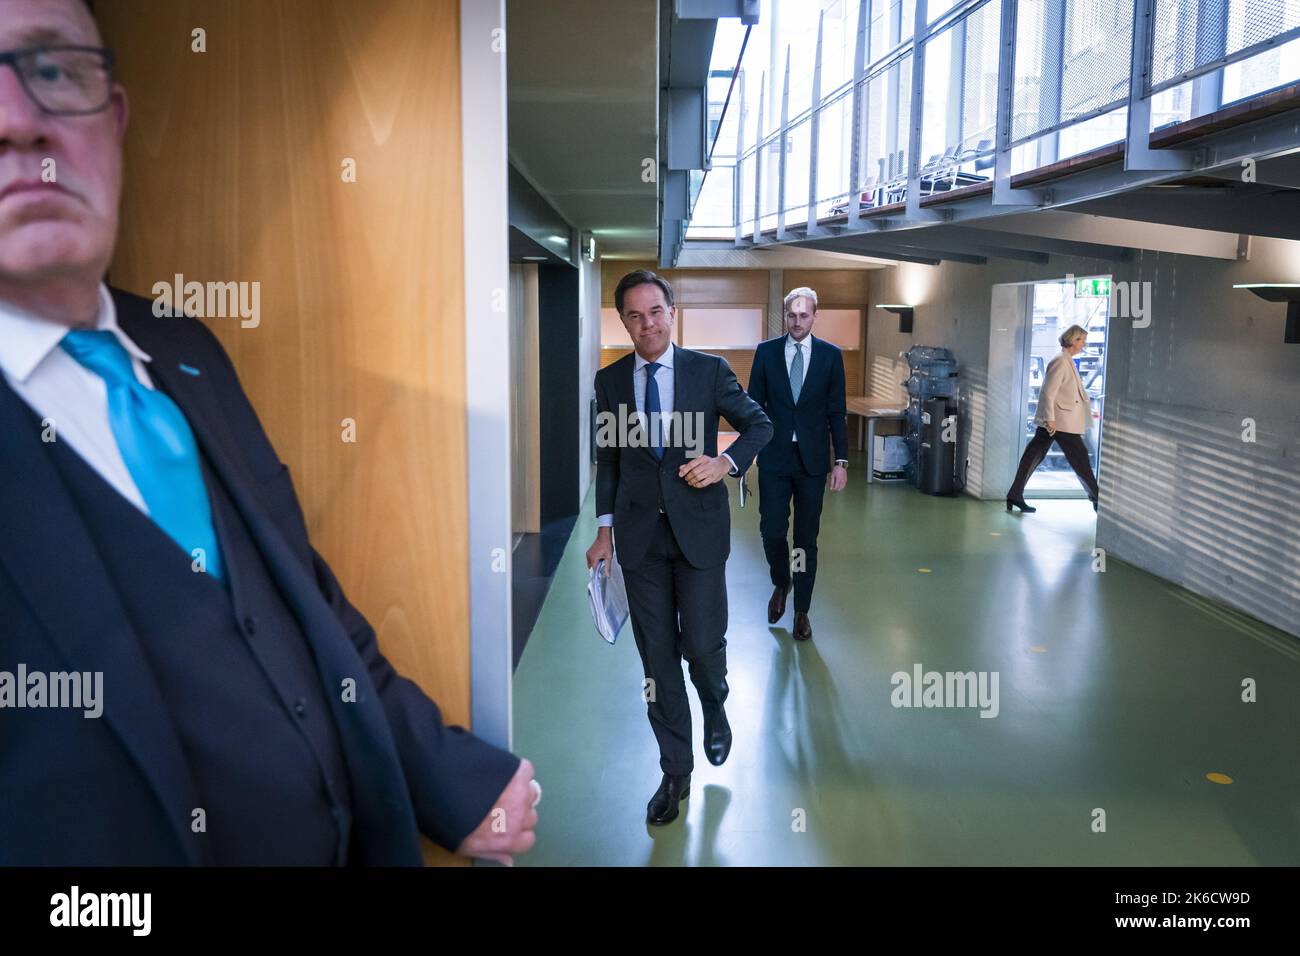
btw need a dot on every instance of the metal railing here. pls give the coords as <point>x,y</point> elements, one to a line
<point>993,76</point>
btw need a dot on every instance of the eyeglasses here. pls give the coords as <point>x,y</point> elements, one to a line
<point>64,80</point>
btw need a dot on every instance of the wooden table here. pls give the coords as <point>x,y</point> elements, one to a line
<point>869,411</point>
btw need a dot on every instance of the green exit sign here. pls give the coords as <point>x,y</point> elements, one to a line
<point>1092,287</point>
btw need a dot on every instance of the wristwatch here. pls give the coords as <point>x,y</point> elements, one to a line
<point>842,463</point>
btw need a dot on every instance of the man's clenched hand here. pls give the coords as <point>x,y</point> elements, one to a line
<point>508,827</point>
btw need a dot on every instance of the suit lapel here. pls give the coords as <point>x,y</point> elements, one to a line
<point>367,738</point>
<point>674,452</point>
<point>47,550</point>
<point>192,392</point>
<point>780,370</point>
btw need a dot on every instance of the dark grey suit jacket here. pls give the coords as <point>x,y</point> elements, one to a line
<point>631,482</point>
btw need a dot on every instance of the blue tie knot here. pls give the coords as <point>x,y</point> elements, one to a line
<point>651,368</point>
<point>102,353</point>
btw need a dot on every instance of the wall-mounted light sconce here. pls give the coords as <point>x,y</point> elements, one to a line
<point>1288,292</point>
<point>589,246</point>
<point>904,313</point>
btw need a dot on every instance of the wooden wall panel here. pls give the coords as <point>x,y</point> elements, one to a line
<point>835,287</point>
<point>611,270</point>
<point>719,286</point>
<point>233,172</point>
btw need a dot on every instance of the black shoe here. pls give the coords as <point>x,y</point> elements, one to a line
<point>1020,503</point>
<point>802,626</point>
<point>663,805</point>
<point>1094,504</point>
<point>776,604</point>
<point>717,738</point>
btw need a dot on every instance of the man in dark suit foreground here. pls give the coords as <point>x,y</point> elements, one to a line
<point>182,679</point>
<point>659,486</point>
<point>799,381</point>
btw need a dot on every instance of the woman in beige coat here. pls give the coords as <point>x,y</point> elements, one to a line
<point>1064,414</point>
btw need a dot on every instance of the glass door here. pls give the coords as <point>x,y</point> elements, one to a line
<point>1059,304</point>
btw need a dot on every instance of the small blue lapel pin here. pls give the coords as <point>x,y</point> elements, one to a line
<point>189,369</point>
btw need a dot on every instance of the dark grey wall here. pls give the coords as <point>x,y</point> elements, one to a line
<point>558,388</point>
<point>1182,494</point>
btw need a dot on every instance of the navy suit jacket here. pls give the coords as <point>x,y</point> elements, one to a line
<point>819,417</point>
<point>59,611</point>
<point>631,482</point>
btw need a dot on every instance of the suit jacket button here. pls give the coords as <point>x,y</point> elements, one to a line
<point>250,625</point>
<point>300,708</point>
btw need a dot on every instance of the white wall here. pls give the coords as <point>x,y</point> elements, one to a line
<point>588,364</point>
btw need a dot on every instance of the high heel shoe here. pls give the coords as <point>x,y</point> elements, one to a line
<point>1020,503</point>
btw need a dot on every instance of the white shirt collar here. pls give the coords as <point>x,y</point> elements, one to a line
<point>664,361</point>
<point>27,340</point>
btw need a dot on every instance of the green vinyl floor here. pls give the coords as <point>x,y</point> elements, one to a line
<point>1119,694</point>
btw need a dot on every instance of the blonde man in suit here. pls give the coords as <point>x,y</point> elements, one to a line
<point>1064,414</point>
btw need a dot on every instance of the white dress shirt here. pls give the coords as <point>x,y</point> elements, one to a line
<point>791,346</point>
<point>663,379</point>
<point>67,394</point>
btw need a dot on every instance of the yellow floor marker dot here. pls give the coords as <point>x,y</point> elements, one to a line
<point>1218,778</point>
<point>924,570</point>
<point>1038,649</point>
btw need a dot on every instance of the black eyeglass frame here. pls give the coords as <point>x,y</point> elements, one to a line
<point>11,58</point>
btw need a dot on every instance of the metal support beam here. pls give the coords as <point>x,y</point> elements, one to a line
<point>860,101</point>
<point>814,130</point>
<point>1049,93</point>
<point>941,238</point>
<point>917,115</point>
<point>903,243</point>
<point>1138,153</point>
<point>827,246</point>
<point>1211,44</point>
<point>1003,194</point>
<point>758,161</point>
<point>687,127</point>
<point>1043,244</point>
<point>783,142</point>
<point>736,183</point>
<point>746,10</point>
<point>1276,215</point>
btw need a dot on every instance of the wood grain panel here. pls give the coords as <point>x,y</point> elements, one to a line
<point>719,286</point>
<point>611,270</point>
<point>847,288</point>
<point>233,172</point>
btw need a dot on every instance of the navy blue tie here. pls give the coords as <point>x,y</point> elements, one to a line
<point>653,411</point>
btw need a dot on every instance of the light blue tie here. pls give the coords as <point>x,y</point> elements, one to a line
<point>796,371</point>
<point>157,445</point>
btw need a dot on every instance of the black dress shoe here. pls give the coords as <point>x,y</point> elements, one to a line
<point>717,738</point>
<point>802,627</point>
<point>776,604</point>
<point>663,805</point>
<point>1020,503</point>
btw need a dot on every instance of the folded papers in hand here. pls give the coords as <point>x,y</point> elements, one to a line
<point>608,596</point>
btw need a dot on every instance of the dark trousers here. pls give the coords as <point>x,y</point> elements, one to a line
<point>677,611</point>
<point>1076,453</point>
<point>775,494</point>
